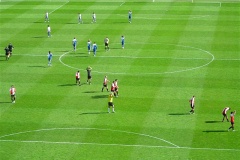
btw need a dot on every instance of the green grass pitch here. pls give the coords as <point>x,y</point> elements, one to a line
<point>173,50</point>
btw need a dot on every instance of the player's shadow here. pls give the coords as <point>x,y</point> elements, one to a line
<point>82,55</point>
<point>214,131</point>
<point>89,113</point>
<point>99,96</point>
<point>5,102</point>
<point>90,91</point>
<point>38,22</point>
<point>38,66</point>
<point>38,36</point>
<point>67,85</point>
<point>4,59</point>
<point>213,121</point>
<point>63,51</point>
<point>178,114</point>
<point>121,22</point>
<point>71,23</point>
<point>114,48</point>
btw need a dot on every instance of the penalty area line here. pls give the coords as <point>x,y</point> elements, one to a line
<point>120,145</point>
<point>59,7</point>
<point>122,3</point>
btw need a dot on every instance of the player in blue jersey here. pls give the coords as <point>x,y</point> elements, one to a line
<point>130,16</point>
<point>89,46</point>
<point>122,41</point>
<point>50,58</point>
<point>74,43</point>
<point>94,47</point>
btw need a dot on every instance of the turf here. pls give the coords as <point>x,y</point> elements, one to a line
<point>173,50</point>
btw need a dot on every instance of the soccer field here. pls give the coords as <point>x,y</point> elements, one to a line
<point>173,50</point>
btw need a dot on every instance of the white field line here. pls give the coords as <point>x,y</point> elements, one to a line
<point>59,7</point>
<point>122,3</point>
<point>103,144</point>
<point>154,73</point>
<point>164,17</point>
<point>121,145</point>
<point>201,2</point>
<point>132,57</point>
<point>98,129</point>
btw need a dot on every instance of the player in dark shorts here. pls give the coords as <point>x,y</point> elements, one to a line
<point>106,42</point>
<point>10,48</point>
<point>105,83</point>
<point>7,53</point>
<point>224,113</point>
<point>192,105</point>
<point>116,87</point>
<point>232,121</point>
<point>110,102</point>
<point>89,75</point>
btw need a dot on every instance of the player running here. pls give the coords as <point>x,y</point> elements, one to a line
<point>7,53</point>
<point>10,48</point>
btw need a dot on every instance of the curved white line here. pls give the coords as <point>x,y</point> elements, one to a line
<point>151,73</point>
<point>60,59</point>
<point>102,144</point>
<point>164,17</point>
<point>122,145</point>
<point>99,129</point>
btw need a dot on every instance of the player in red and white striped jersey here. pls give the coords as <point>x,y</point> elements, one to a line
<point>116,87</point>
<point>113,88</point>
<point>105,82</point>
<point>192,104</point>
<point>232,120</point>
<point>78,78</point>
<point>13,93</point>
<point>224,113</point>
